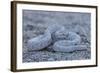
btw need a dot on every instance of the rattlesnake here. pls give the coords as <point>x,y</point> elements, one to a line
<point>62,39</point>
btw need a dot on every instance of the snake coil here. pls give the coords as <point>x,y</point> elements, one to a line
<point>62,39</point>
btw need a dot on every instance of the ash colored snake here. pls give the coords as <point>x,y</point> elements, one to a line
<point>62,39</point>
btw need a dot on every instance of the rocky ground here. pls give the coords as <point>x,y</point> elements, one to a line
<point>36,22</point>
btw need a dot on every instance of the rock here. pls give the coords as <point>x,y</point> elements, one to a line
<point>51,59</point>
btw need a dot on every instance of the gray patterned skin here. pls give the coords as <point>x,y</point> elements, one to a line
<point>39,42</point>
<point>44,40</point>
<point>64,34</point>
<point>63,40</point>
<point>60,46</point>
<point>70,41</point>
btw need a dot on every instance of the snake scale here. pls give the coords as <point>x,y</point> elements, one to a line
<point>62,39</point>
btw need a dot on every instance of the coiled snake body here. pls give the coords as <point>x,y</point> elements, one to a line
<point>62,39</point>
